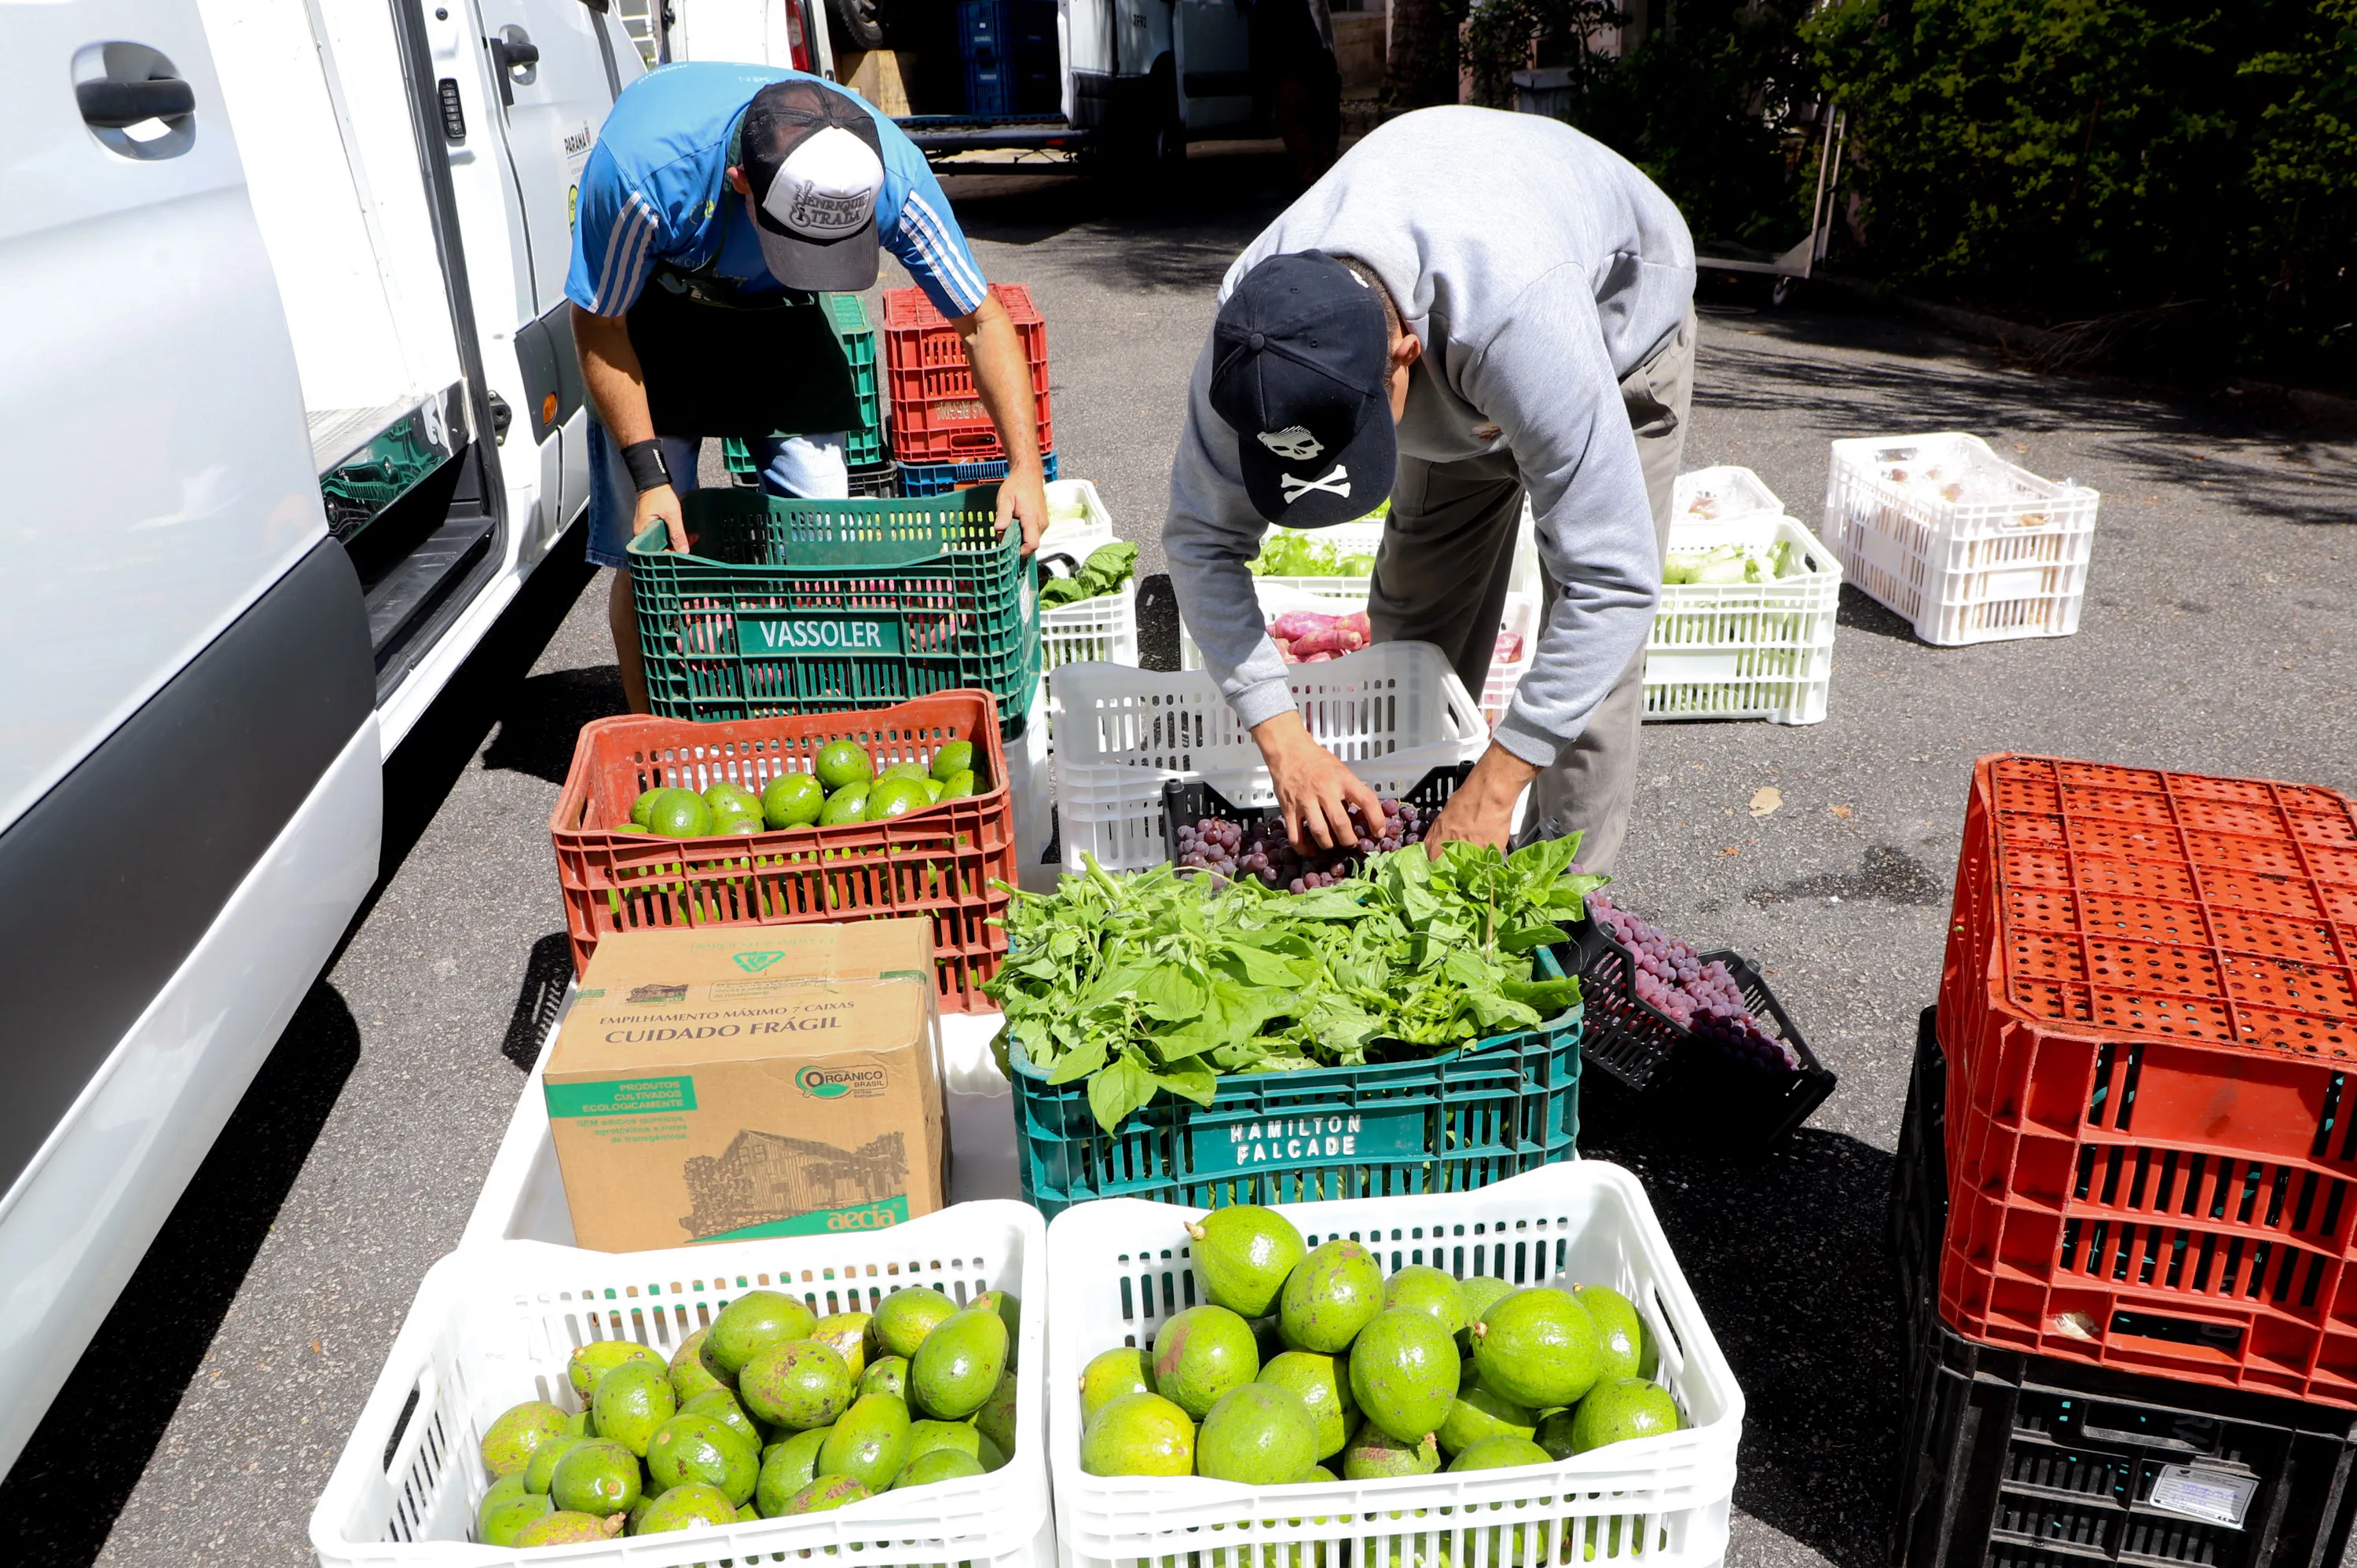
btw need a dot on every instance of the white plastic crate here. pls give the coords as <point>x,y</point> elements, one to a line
<point>1102,630</point>
<point>1393,713</point>
<point>1076,539</point>
<point>1116,1268</point>
<point>1277,597</point>
<point>1365,537</point>
<point>1957,540</point>
<point>1027,780</point>
<point>1720,495</point>
<point>1280,596</point>
<point>1744,651</point>
<point>1521,619</point>
<point>495,1325</point>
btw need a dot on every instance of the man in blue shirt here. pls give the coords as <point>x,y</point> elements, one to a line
<point>720,200</point>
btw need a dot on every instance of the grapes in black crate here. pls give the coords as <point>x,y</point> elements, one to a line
<point>1260,849</point>
<point>1669,977</point>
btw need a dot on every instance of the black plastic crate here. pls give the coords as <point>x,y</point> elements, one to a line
<point>875,481</point>
<point>1192,800</point>
<point>2018,1460</point>
<point>1919,1189</point>
<point>1696,1092</point>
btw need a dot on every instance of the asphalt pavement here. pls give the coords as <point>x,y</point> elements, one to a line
<point>2220,635</point>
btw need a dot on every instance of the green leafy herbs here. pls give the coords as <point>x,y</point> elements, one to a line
<point>1151,982</point>
<point>1290,552</point>
<point>1107,569</point>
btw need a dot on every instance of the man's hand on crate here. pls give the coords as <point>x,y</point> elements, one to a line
<point>1315,789</point>
<point>1002,375</point>
<point>1023,502</point>
<point>1482,810</point>
<point>662,502</point>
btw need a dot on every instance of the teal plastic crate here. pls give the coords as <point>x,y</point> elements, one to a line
<point>1448,1124</point>
<point>864,447</point>
<point>798,606</point>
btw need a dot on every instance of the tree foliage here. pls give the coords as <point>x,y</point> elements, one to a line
<point>2168,164</point>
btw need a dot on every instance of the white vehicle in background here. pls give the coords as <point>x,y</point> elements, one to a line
<point>1131,82</point>
<point>293,409</point>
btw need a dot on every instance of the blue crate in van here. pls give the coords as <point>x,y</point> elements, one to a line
<point>1006,30</point>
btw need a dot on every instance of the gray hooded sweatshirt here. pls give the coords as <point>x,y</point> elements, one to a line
<point>1537,268</point>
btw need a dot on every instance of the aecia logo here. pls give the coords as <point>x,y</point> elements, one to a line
<point>755,962</point>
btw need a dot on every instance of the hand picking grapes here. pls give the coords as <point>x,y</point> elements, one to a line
<point>1260,849</point>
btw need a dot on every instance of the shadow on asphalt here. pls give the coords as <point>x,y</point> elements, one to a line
<point>546,973</point>
<point>1789,1257</point>
<point>2169,441</point>
<point>1156,234</point>
<point>79,1468</point>
<point>494,687</point>
<point>541,716</point>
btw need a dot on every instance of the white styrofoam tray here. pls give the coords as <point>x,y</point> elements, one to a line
<point>1720,495</point>
<point>1117,1268</point>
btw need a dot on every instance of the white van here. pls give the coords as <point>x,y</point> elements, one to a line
<point>1130,83</point>
<point>290,388</point>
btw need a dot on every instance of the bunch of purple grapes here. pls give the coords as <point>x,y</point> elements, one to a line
<point>1672,978</point>
<point>1739,1038</point>
<point>1262,849</point>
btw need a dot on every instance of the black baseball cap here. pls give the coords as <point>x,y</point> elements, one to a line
<point>815,164</point>
<point>1301,356</point>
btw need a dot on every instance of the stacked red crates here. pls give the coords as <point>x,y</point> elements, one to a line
<point>2149,1014</point>
<point>937,413</point>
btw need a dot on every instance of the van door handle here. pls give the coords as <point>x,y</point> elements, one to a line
<point>111,105</point>
<point>513,57</point>
<point>513,50</point>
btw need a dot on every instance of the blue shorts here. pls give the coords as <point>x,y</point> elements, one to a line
<point>810,466</point>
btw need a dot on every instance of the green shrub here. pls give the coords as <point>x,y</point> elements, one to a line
<point>2184,172</point>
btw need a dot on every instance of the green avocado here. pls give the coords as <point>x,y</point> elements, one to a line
<point>954,1370</point>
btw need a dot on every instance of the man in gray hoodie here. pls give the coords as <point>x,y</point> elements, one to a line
<point>1471,305</point>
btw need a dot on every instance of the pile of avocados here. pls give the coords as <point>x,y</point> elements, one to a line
<point>842,786</point>
<point>772,1411</point>
<point>1303,1361</point>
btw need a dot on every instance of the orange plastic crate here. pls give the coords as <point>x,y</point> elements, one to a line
<point>937,414</point>
<point>2149,1012</point>
<point>942,863</point>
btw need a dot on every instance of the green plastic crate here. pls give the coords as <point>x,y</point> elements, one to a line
<point>798,606</point>
<point>864,447</point>
<point>1449,1123</point>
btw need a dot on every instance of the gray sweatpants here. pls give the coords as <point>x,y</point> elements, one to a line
<point>1441,578</point>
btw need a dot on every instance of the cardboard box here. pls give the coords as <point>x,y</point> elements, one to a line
<point>734,1082</point>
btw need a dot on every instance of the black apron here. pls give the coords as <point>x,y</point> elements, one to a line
<point>719,362</point>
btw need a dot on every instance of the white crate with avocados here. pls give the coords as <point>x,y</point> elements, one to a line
<point>502,1326</point>
<point>1334,1451</point>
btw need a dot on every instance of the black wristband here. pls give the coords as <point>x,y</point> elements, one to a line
<point>645,461</point>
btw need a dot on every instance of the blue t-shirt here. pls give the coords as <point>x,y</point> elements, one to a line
<point>656,188</point>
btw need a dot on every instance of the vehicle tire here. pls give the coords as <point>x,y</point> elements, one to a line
<point>1166,133</point>
<point>855,24</point>
<point>1148,141</point>
<point>1787,290</point>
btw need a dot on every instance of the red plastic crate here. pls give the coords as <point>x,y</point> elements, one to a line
<point>2149,1012</point>
<point>937,414</point>
<point>943,863</point>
